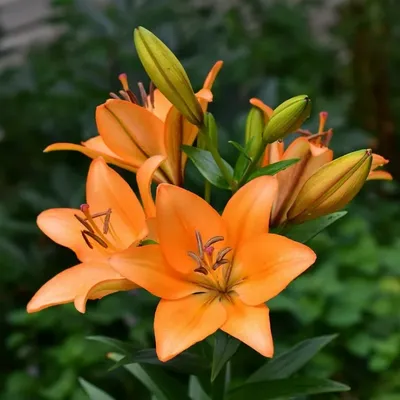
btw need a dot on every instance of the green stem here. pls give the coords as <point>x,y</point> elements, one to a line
<point>253,164</point>
<point>218,387</point>
<point>207,191</point>
<point>214,152</point>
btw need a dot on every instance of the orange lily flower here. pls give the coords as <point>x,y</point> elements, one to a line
<point>112,220</point>
<point>313,152</point>
<point>129,133</point>
<point>211,271</point>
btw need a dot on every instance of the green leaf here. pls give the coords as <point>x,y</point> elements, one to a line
<point>126,348</point>
<point>204,162</point>
<point>196,391</point>
<point>241,149</point>
<point>285,388</point>
<point>225,347</point>
<point>273,169</point>
<point>158,382</point>
<point>304,232</point>
<point>289,362</point>
<point>93,392</point>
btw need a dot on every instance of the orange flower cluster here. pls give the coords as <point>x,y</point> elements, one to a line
<point>211,271</point>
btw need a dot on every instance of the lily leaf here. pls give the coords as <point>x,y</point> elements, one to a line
<point>273,169</point>
<point>93,392</point>
<point>289,362</point>
<point>125,348</point>
<point>224,348</point>
<point>285,388</point>
<point>306,231</point>
<point>196,391</point>
<point>241,149</point>
<point>157,381</point>
<point>205,163</point>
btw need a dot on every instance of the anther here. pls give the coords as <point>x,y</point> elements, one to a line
<point>222,253</point>
<point>124,95</point>
<point>199,244</point>
<point>195,258</point>
<point>114,96</point>
<point>86,239</point>
<point>213,240</point>
<point>143,94</point>
<point>219,263</point>
<point>201,270</point>
<point>84,223</point>
<point>99,240</point>
<point>106,225</point>
<point>151,93</point>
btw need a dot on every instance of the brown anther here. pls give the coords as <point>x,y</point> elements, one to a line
<point>151,93</point>
<point>195,258</point>
<point>84,235</point>
<point>143,94</point>
<point>132,97</point>
<point>222,253</point>
<point>99,240</point>
<point>219,263</point>
<point>199,244</point>
<point>213,240</point>
<point>124,95</point>
<point>201,270</point>
<point>106,225</point>
<point>114,96</point>
<point>84,223</point>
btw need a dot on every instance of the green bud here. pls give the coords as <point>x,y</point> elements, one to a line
<point>331,187</point>
<point>254,131</point>
<point>287,118</point>
<point>168,74</point>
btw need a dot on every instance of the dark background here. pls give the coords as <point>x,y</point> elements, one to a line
<point>345,56</point>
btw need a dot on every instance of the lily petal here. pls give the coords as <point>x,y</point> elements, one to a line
<point>97,143</point>
<point>180,214</point>
<point>264,266</point>
<point>249,324</point>
<point>130,165</point>
<point>106,189</point>
<point>380,175</point>
<point>147,267</point>
<point>79,283</point>
<point>161,105</point>
<point>144,178</point>
<point>61,226</point>
<point>378,161</point>
<point>179,324</point>
<point>209,81</point>
<point>248,211</point>
<point>273,153</point>
<point>263,107</point>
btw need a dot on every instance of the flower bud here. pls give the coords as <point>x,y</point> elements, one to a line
<point>254,131</point>
<point>168,74</point>
<point>331,187</point>
<point>287,118</point>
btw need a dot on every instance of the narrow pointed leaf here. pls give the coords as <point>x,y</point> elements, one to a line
<point>196,391</point>
<point>204,162</point>
<point>306,231</point>
<point>93,392</point>
<point>123,347</point>
<point>157,381</point>
<point>241,149</point>
<point>273,169</point>
<point>224,348</point>
<point>289,362</point>
<point>285,388</point>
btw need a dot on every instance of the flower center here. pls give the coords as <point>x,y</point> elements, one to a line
<point>323,137</point>
<point>92,234</point>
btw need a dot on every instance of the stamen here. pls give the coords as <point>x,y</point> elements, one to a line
<point>222,253</point>
<point>124,95</point>
<point>86,240</point>
<point>209,250</point>
<point>99,240</point>
<point>199,244</point>
<point>195,258</point>
<point>213,240</point>
<point>143,95</point>
<point>323,116</point>
<point>132,97</point>
<point>106,225</point>
<point>114,96</point>
<point>201,270</point>
<point>151,93</point>
<point>123,78</point>
<point>84,223</point>
<point>219,263</point>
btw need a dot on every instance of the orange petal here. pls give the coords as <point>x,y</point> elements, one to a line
<point>205,94</point>
<point>179,324</point>
<point>61,226</point>
<point>144,178</point>
<point>249,324</point>
<point>263,107</point>
<point>147,267</point>
<point>161,105</point>
<point>378,161</point>
<point>209,81</point>
<point>180,214</point>
<point>97,143</point>
<point>264,266</point>
<point>173,131</point>
<point>131,165</point>
<point>129,130</point>
<point>247,212</point>
<point>78,284</point>
<point>379,175</point>
<point>273,153</point>
<point>106,189</point>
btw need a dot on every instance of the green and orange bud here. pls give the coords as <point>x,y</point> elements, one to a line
<point>254,131</point>
<point>287,118</point>
<point>168,74</point>
<point>332,187</point>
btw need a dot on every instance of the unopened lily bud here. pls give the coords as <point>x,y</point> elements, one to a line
<point>168,74</point>
<point>254,130</point>
<point>287,118</point>
<point>332,187</point>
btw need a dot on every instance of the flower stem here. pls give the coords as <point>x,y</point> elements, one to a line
<point>207,191</point>
<point>253,163</point>
<point>218,387</point>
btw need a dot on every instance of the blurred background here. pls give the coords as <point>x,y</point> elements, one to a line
<point>59,59</point>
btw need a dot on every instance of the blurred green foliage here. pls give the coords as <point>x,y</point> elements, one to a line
<point>270,52</point>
